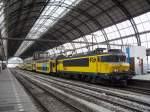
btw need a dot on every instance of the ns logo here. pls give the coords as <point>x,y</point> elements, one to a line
<point>93,59</point>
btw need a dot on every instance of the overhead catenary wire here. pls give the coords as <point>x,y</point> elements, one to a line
<point>58,41</point>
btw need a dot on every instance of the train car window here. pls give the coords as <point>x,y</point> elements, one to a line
<point>113,58</point>
<point>122,58</point>
<point>83,62</point>
<point>103,58</point>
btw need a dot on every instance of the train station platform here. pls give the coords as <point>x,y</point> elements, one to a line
<point>13,97</point>
<point>142,77</point>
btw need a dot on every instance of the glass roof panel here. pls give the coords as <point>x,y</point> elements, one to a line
<point>78,45</point>
<point>130,41</point>
<point>52,13</point>
<point>119,30</point>
<point>124,30</point>
<point>99,36</point>
<point>102,46</point>
<point>91,38</point>
<point>68,46</point>
<point>79,50</point>
<point>112,32</point>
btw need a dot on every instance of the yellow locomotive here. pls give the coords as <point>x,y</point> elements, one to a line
<point>101,68</point>
<point>104,67</point>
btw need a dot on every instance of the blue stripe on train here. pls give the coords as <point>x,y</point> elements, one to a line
<point>44,67</point>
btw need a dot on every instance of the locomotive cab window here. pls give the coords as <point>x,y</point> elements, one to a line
<point>113,58</point>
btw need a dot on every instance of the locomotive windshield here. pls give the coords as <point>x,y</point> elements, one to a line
<point>113,58</point>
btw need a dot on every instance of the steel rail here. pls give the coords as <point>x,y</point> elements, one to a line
<point>93,87</point>
<point>92,95</point>
<point>24,81</point>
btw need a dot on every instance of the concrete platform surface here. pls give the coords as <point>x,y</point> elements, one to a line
<point>142,77</point>
<point>13,98</point>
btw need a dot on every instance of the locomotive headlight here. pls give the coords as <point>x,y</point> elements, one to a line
<point>126,70</point>
<point>115,70</point>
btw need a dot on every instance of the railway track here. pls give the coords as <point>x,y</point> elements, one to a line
<point>139,86</point>
<point>136,89</point>
<point>136,86</point>
<point>130,90</point>
<point>139,83</point>
<point>107,98</point>
<point>46,101</point>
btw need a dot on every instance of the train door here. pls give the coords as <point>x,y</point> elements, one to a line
<point>93,64</point>
<point>104,64</point>
<point>54,66</point>
<point>51,66</point>
<point>98,64</point>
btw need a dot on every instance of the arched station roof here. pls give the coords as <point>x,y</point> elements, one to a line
<point>82,18</point>
<point>20,16</point>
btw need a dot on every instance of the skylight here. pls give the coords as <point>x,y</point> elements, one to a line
<point>118,34</point>
<point>54,10</point>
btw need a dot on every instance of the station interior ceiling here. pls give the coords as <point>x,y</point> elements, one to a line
<point>72,26</point>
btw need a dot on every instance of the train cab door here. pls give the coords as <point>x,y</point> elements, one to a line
<point>98,64</point>
<point>93,64</point>
<point>103,65</point>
